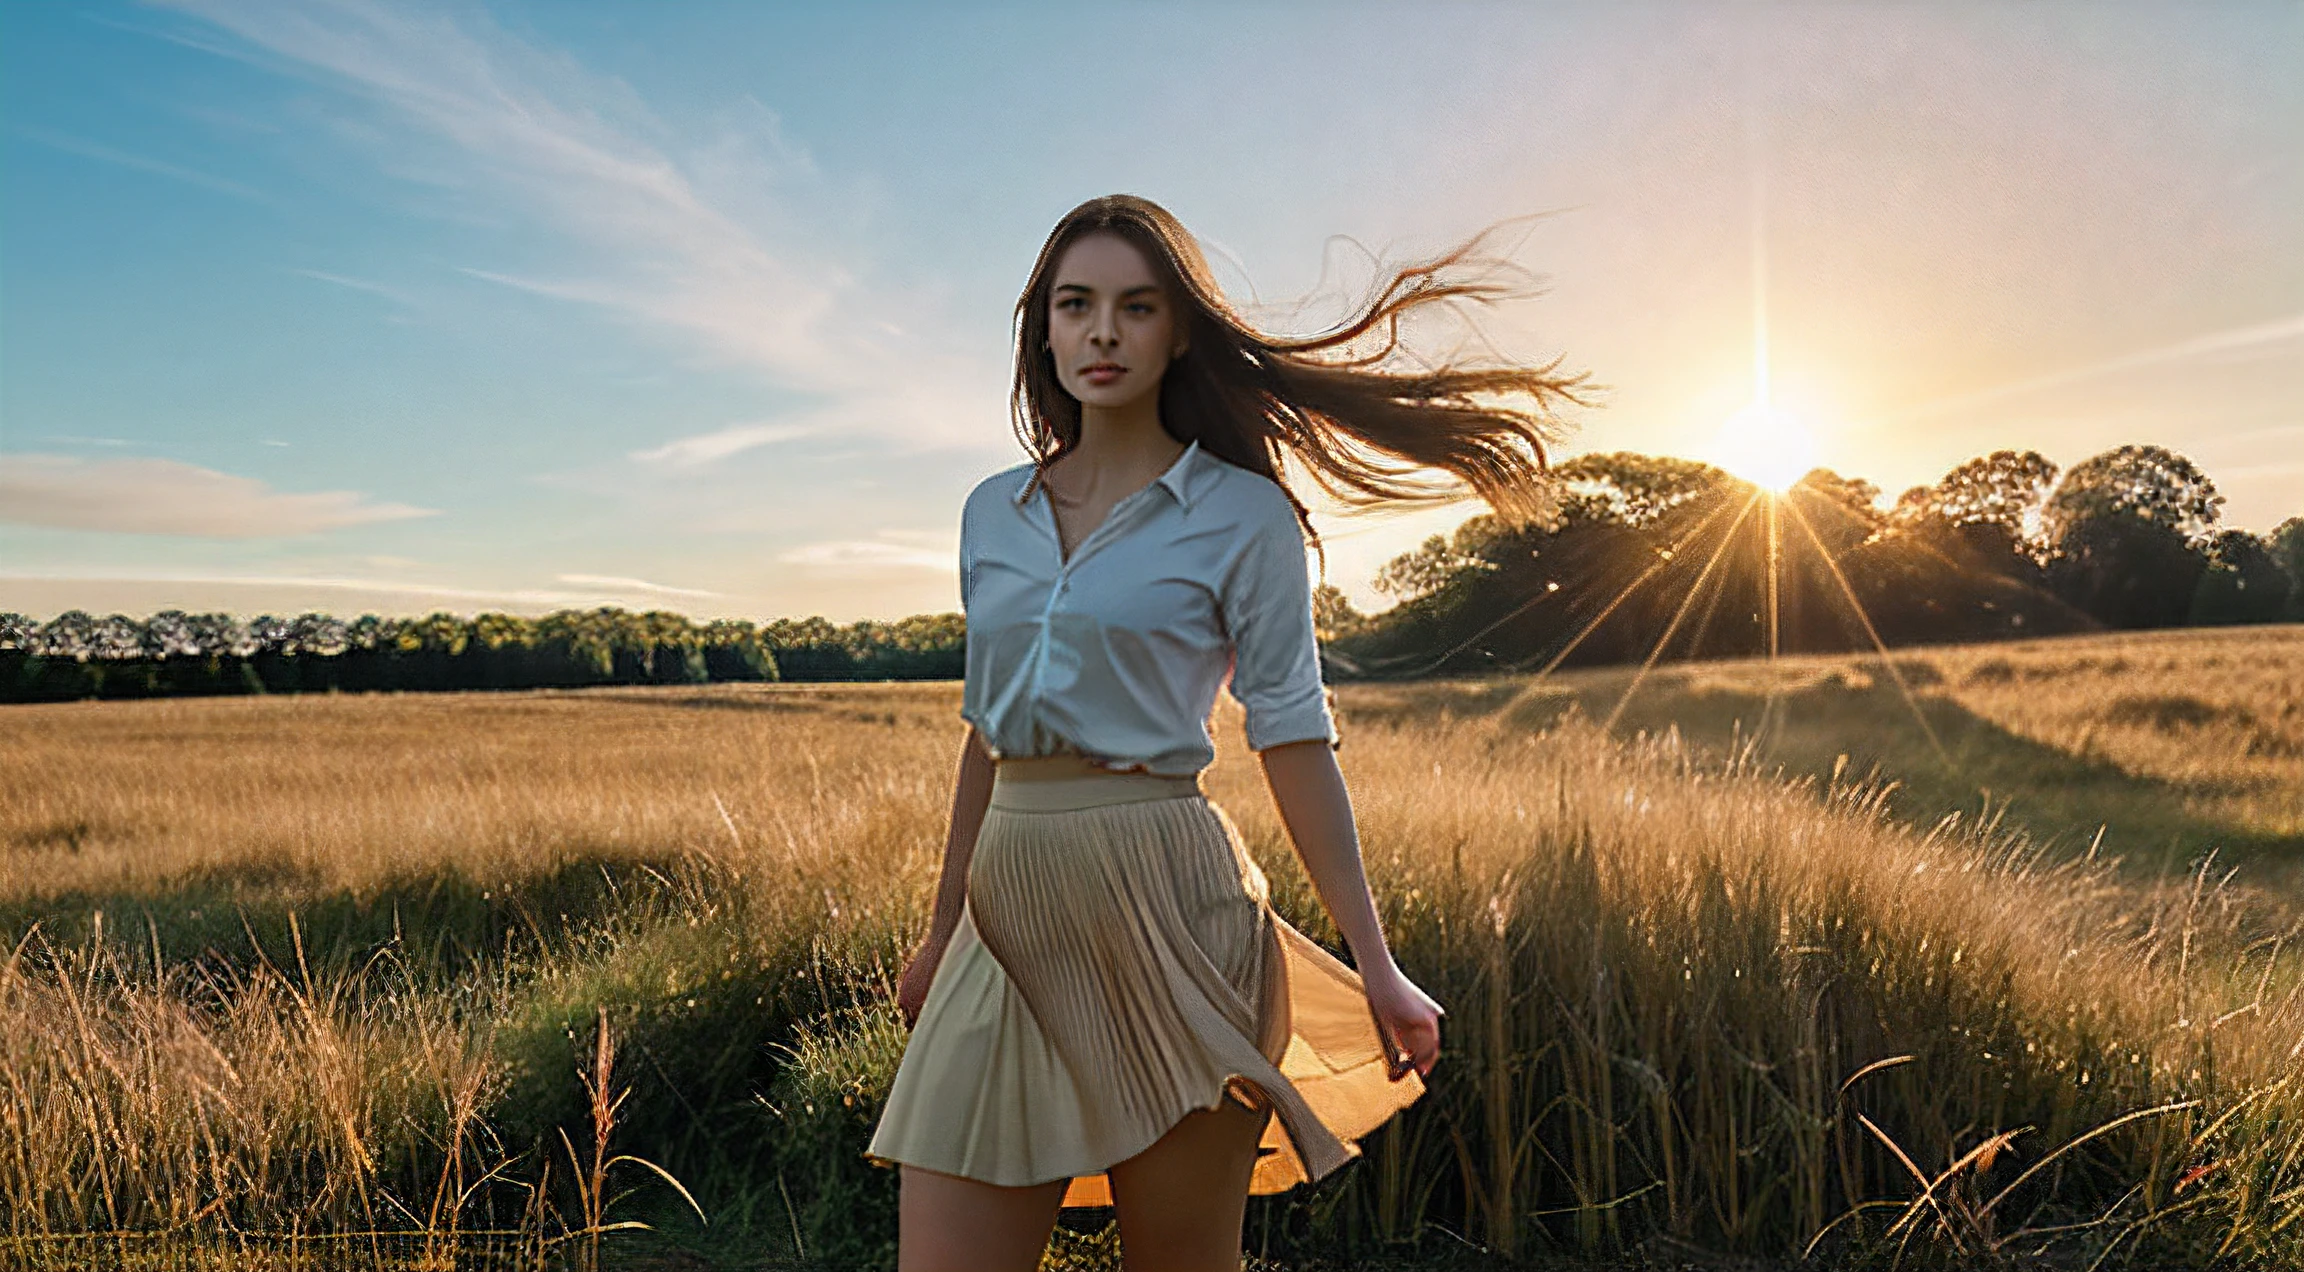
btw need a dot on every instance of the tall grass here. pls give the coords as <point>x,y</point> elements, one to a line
<point>358,961</point>
<point>2172,743</point>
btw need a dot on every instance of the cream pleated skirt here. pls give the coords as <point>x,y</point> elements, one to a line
<point>1117,965</point>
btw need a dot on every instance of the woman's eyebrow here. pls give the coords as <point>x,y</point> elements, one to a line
<point>1083,287</point>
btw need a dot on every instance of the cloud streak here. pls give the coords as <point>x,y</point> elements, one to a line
<point>719,444</point>
<point>618,583</point>
<point>2265,333</point>
<point>868,554</point>
<point>138,163</point>
<point>694,239</point>
<point>393,294</point>
<point>381,587</point>
<point>541,132</point>
<point>165,497</point>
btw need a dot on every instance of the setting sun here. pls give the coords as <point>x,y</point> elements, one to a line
<point>1765,445</point>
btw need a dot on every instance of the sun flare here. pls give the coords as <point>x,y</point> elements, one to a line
<point>1765,445</point>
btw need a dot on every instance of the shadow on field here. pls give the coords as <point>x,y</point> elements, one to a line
<point>1857,723</point>
<point>832,702</point>
<point>440,926</point>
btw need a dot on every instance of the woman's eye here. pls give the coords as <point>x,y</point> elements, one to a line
<point>1140,307</point>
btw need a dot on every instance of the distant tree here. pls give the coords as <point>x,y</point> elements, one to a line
<point>1914,505</point>
<point>1333,614</point>
<point>217,635</point>
<point>169,634</point>
<point>70,634</point>
<point>1983,515</point>
<point>316,634</point>
<point>493,630</point>
<point>729,631</point>
<point>115,638</point>
<point>265,635</point>
<point>1841,511</point>
<point>1430,566</point>
<point>17,632</point>
<point>1633,490</point>
<point>437,633</point>
<point>930,633</point>
<point>2286,544</point>
<point>801,633</point>
<point>2150,483</point>
<point>2003,489</point>
<point>369,632</point>
<point>2127,533</point>
<point>1854,493</point>
<point>2242,584</point>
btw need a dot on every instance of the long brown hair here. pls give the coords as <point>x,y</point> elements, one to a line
<point>1245,395</point>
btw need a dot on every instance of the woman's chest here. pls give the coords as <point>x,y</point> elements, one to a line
<point>1151,585</point>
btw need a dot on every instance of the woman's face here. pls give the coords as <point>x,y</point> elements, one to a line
<point>1112,328</point>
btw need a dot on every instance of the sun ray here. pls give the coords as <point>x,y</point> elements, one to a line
<point>1681,613</point>
<point>1695,645</point>
<point>1668,556</point>
<point>1886,662</point>
<point>1772,702</point>
<point>1760,388</point>
<point>1466,643</point>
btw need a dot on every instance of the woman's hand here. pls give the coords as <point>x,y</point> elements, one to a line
<point>1407,1020</point>
<point>912,990</point>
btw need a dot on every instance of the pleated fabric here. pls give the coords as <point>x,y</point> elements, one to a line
<point>1117,965</point>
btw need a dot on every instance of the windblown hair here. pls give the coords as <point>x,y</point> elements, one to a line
<point>1364,430</point>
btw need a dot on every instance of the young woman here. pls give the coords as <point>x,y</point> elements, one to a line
<point>1106,1010</point>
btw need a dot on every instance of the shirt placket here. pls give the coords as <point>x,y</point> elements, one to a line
<point>1062,583</point>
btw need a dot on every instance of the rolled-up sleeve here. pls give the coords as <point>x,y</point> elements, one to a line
<point>1267,606</point>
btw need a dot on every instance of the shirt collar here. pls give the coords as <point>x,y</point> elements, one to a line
<point>1178,477</point>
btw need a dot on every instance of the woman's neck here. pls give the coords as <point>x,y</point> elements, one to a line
<point>1126,446</point>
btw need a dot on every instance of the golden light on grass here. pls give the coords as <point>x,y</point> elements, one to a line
<point>1665,964</point>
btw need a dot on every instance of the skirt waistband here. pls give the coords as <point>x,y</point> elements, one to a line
<point>1052,793</point>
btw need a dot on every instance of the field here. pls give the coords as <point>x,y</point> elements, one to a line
<point>466,980</point>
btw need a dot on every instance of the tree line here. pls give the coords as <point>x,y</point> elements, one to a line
<point>1644,556</point>
<point>1650,556</point>
<point>78,655</point>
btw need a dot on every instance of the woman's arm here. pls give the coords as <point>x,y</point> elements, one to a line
<point>1317,810</point>
<point>971,792</point>
<point>1309,789</point>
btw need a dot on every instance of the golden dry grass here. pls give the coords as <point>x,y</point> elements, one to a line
<point>1660,968</point>
<point>2173,744</point>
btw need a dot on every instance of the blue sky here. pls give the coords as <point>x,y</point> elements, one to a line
<point>375,305</point>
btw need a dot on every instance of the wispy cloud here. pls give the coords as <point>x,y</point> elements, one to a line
<point>615,583</point>
<point>2278,331</point>
<point>719,444</point>
<point>686,238</point>
<point>165,497</point>
<point>330,583</point>
<point>393,294</point>
<point>884,553</point>
<point>123,159</point>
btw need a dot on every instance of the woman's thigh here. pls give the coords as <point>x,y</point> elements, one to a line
<point>949,1224</point>
<point>1181,1201</point>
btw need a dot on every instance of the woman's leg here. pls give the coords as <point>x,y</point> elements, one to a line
<point>1182,1200</point>
<point>949,1224</point>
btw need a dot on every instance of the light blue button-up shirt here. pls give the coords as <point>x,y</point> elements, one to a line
<point>1118,652</point>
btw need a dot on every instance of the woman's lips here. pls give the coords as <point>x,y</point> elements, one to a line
<point>1103,373</point>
